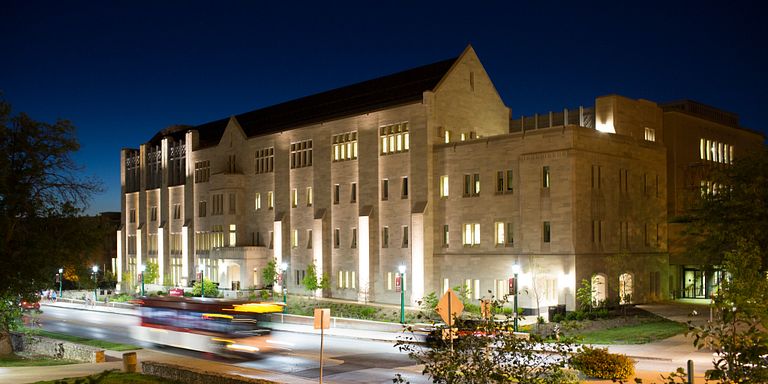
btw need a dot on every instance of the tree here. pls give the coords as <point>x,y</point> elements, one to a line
<point>269,274</point>
<point>42,199</point>
<point>151,272</point>
<point>311,282</point>
<point>739,331</point>
<point>211,289</point>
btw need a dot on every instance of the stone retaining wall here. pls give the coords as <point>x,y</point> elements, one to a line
<point>57,349</point>
<point>195,376</point>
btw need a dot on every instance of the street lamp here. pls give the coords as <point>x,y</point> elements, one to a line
<point>515,272</point>
<point>142,268</point>
<point>95,270</point>
<point>201,268</point>
<point>283,269</point>
<point>401,268</point>
<point>61,278</point>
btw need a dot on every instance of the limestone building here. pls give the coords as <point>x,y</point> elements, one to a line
<point>426,169</point>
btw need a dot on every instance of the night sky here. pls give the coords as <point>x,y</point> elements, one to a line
<point>122,70</point>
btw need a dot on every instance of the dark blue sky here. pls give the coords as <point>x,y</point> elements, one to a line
<point>122,70</point>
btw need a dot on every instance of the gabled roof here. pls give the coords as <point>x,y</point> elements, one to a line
<point>371,95</point>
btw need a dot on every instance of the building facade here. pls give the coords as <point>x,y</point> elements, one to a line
<point>423,169</point>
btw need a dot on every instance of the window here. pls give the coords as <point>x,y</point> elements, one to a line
<point>471,185</point>
<point>444,186</point>
<point>471,234</point>
<point>271,240</point>
<point>510,235</point>
<point>510,179</point>
<point>309,239</point>
<point>598,290</point>
<point>385,189</point>
<point>547,232</point>
<point>301,154</point>
<point>499,182</point>
<point>354,238</point>
<point>202,171</point>
<point>294,198</point>
<point>625,288</point>
<point>218,204</point>
<point>394,138</point>
<point>715,151</point>
<point>257,201</point>
<point>545,177</point>
<point>344,146</point>
<point>499,236</point>
<point>650,134</point>
<point>597,171</point>
<point>310,198</point>
<point>336,239</point>
<point>295,238</point>
<point>405,236</point>
<point>177,211</point>
<point>132,216</point>
<point>232,201</point>
<point>624,235</point>
<point>232,235</point>
<point>153,213</point>
<point>385,237</point>
<point>232,164</point>
<point>597,231</point>
<point>336,193</point>
<point>265,160</point>
<point>202,206</point>
<point>624,180</point>
<point>270,200</point>
<point>353,193</point>
<point>217,236</point>
<point>446,236</point>
<point>404,188</point>
<point>389,281</point>
<point>447,136</point>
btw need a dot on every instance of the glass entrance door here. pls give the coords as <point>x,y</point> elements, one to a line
<point>694,283</point>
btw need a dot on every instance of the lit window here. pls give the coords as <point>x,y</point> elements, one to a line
<point>394,138</point>
<point>295,238</point>
<point>650,134</point>
<point>471,234</point>
<point>344,146</point>
<point>232,235</point>
<point>447,136</point>
<point>499,233</point>
<point>446,238</point>
<point>270,200</point>
<point>257,201</point>
<point>309,196</point>
<point>294,198</point>
<point>545,177</point>
<point>443,186</point>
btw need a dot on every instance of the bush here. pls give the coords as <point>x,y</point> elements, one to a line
<point>558,317</point>
<point>121,298</point>
<point>599,363</point>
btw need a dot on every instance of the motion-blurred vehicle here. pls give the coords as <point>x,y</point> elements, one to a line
<point>28,305</point>
<point>223,327</point>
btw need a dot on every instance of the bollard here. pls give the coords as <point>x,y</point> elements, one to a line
<point>690,371</point>
<point>129,362</point>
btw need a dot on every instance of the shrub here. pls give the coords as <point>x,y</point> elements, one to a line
<point>558,317</point>
<point>599,363</point>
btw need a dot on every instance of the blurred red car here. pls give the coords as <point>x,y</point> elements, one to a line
<point>29,305</point>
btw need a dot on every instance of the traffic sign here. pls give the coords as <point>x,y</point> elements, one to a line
<point>449,307</point>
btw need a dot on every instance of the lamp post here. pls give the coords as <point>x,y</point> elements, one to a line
<point>61,278</point>
<point>401,268</point>
<point>142,268</point>
<point>201,269</point>
<point>515,272</point>
<point>95,270</point>
<point>283,269</point>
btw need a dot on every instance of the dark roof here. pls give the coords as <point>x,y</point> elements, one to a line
<point>371,95</point>
<point>702,110</point>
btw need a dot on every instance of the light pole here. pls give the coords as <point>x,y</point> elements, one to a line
<point>201,268</point>
<point>283,269</point>
<point>95,270</point>
<point>61,278</point>
<point>142,268</point>
<point>515,272</point>
<point>401,268</point>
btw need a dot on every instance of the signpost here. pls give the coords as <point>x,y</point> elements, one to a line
<point>449,308</point>
<point>322,322</point>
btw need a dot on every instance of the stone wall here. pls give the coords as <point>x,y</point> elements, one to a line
<point>194,376</point>
<point>58,349</point>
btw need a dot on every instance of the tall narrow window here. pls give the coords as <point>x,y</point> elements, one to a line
<point>294,198</point>
<point>309,239</point>
<point>344,146</point>
<point>336,193</point>
<point>270,200</point>
<point>153,213</point>
<point>232,203</point>
<point>385,237</point>
<point>405,236</point>
<point>202,207</point>
<point>446,237</point>
<point>500,182</point>
<point>232,235</point>
<point>547,232</point>
<point>295,238</point>
<point>499,236</point>
<point>265,160</point>
<point>394,138</point>
<point>385,189</point>
<point>354,238</point>
<point>404,191</point>
<point>476,185</point>
<point>310,198</point>
<point>545,177</point>
<point>444,186</point>
<point>257,201</point>
<point>467,185</point>
<point>510,235</point>
<point>471,234</point>
<point>301,154</point>
<point>177,211</point>
<point>510,179</point>
<point>132,216</point>
<point>336,239</point>
<point>353,193</point>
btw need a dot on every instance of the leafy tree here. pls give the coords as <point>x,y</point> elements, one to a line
<point>42,198</point>
<point>739,332</point>
<point>311,282</point>
<point>151,272</point>
<point>584,296</point>
<point>269,274</point>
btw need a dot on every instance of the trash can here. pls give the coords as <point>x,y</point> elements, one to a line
<point>129,362</point>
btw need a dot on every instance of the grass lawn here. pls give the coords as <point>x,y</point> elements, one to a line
<point>116,377</point>
<point>18,361</point>
<point>82,340</point>
<point>633,334</point>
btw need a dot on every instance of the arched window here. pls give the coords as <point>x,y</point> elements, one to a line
<point>625,288</point>
<point>598,290</point>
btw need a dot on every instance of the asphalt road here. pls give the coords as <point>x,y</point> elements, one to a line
<point>345,360</point>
